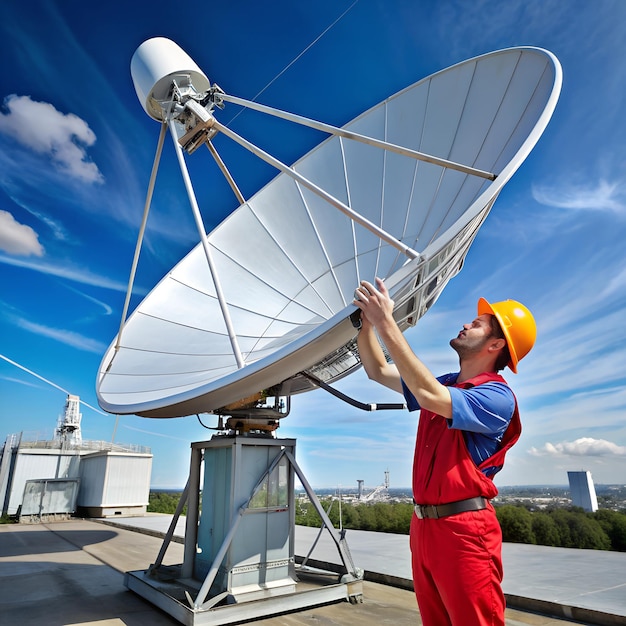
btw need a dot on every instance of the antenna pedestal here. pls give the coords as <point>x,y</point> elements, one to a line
<point>240,560</point>
<point>259,560</point>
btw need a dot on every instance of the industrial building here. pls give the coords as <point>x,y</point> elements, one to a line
<point>583,491</point>
<point>48,479</point>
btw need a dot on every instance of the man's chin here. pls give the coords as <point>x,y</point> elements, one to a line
<point>461,348</point>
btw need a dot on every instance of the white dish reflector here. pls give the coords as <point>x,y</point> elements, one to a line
<point>289,262</point>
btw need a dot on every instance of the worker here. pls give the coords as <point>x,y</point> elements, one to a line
<point>468,420</point>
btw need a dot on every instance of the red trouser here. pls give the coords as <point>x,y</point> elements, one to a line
<point>457,569</point>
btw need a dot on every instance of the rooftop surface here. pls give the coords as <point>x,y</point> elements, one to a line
<point>71,572</point>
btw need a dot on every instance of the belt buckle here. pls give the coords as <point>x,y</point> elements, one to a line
<point>418,511</point>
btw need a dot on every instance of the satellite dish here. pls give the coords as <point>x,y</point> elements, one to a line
<point>263,303</point>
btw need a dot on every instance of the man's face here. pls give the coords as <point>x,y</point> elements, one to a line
<point>473,336</point>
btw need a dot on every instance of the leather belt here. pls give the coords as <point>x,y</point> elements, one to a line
<point>432,511</point>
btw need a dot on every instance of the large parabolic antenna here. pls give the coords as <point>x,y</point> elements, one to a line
<point>264,301</point>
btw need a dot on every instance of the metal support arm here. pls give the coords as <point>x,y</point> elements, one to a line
<point>334,130</point>
<point>207,249</point>
<point>346,558</point>
<point>353,215</point>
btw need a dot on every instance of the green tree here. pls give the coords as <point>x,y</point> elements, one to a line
<point>383,516</point>
<point>578,529</point>
<point>545,530</point>
<point>516,524</point>
<point>367,515</point>
<point>306,515</point>
<point>351,516</point>
<point>560,518</point>
<point>164,502</point>
<point>402,517</point>
<point>614,525</point>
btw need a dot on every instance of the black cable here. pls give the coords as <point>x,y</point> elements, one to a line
<point>204,425</point>
<point>359,405</point>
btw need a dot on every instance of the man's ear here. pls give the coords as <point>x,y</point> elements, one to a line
<point>497,344</point>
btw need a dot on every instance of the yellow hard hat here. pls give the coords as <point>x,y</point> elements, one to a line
<point>518,326</point>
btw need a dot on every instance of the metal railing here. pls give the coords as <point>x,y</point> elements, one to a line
<point>37,440</point>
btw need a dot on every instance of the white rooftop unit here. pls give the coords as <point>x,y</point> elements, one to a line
<point>114,478</point>
<point>114,483</point>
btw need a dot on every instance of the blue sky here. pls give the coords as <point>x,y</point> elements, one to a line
<point>76,150</point>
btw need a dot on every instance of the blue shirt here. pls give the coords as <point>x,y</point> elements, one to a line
<point>483,414</point>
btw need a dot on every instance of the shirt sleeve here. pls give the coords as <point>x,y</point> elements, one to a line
<point>486,409</point>
<point>411,402</point>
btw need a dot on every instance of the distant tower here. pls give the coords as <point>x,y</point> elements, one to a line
<point>359,482</point>
<point>582,490</point>
<point>387,479</point>
<point>68,426</point>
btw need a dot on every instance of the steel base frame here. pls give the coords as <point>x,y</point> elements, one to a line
<point>167,597</point>
<point>173,588</point>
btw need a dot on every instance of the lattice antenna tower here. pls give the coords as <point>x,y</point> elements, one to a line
<point>68,426</point>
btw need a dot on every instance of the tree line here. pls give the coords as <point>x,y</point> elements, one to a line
<point>564,527</point>
<point>570,527</point>
<point>164,502</point>
<point>560,527</point>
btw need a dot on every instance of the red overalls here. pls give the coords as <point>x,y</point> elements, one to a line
<point>457,563</point>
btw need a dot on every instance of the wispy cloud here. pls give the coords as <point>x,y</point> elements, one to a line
<point>617,284</point>
<point>585,446</point>
<point>464,34</point>
<point>108,310</point>
<point>16,238</point>
<point>66,337</point>
<point>58,230</point>
<point>70,273</point>
<point>11,379</point>
<point>62,137</point>
<point>600,196</point>
<point>154,434</point>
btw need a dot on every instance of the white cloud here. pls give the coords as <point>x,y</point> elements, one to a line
<point>585,446</point>
<point>603,196</point>
<point>18,381</point>
<point>62,137</point>
<point>66,337</point>
<point>71,273</point>
<point>57,228</point>
<point>16,238</point>
<point>615,285</point>
<point>108,310</point>
<point>153,433</point>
